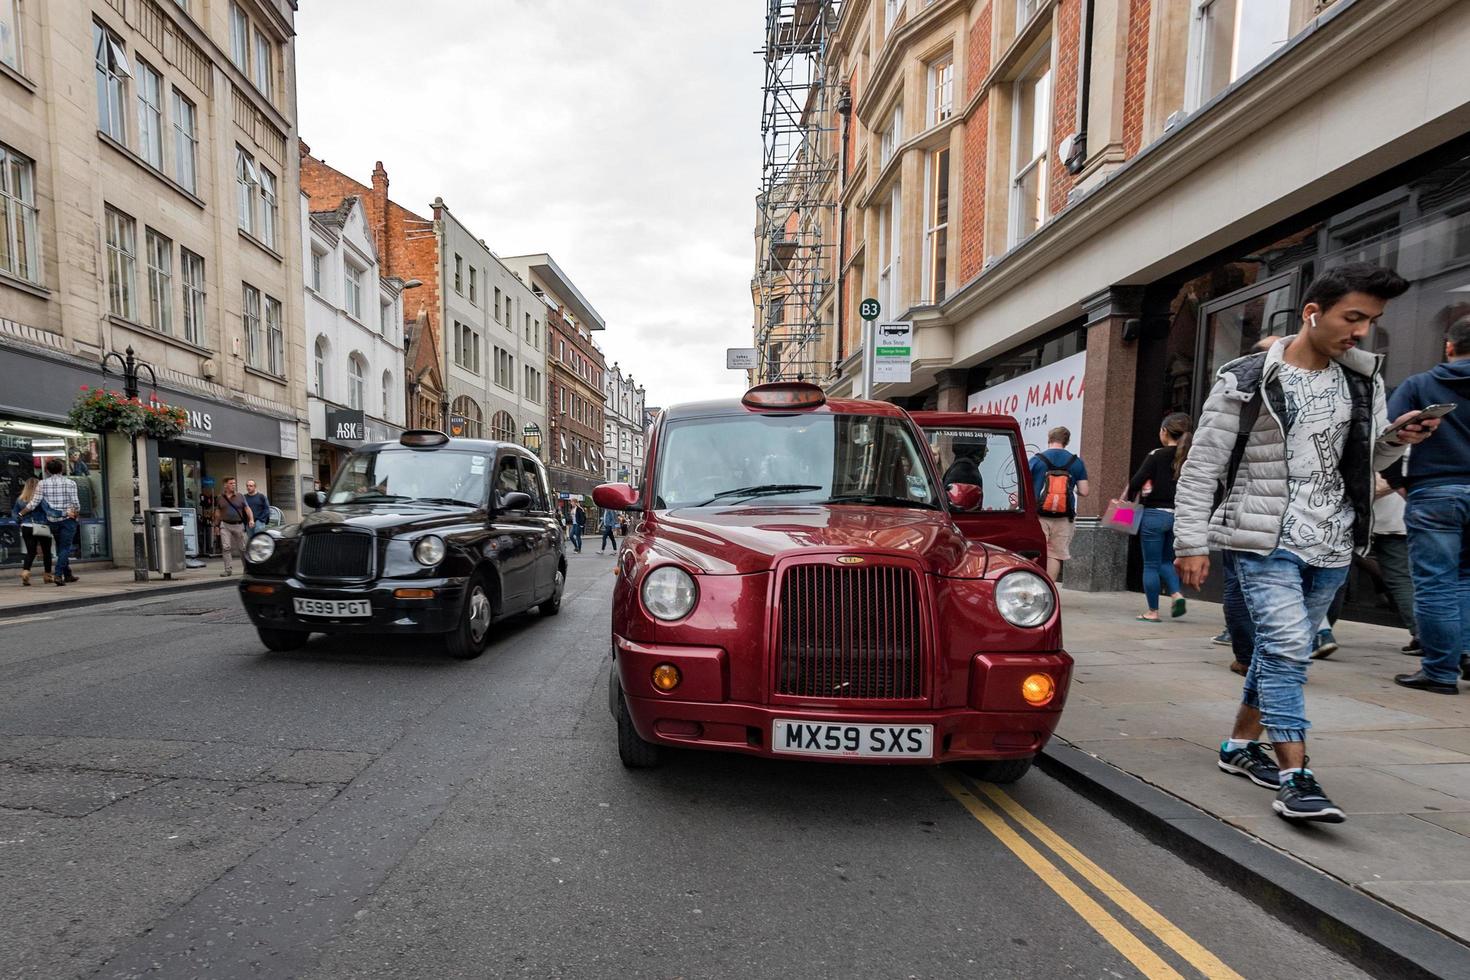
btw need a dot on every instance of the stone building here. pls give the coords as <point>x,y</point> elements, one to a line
<point>150,187</point>
<point>623,428</point>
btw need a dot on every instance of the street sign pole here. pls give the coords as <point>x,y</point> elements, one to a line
<point>869,309</point>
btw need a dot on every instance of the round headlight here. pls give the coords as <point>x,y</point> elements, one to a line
<point>669,593</point>
<point>1024,599</point>
<point>429,550</point>
<point>261,547</point>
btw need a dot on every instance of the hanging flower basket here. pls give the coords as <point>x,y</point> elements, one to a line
<point>164,421</point>
<point>101,410</point>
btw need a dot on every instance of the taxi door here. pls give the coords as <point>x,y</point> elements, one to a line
<point>966,447</point>
<point>516,538</point>
<point>547,532</point>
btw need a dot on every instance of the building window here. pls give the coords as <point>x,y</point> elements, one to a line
<point>239,39</point>
<point>536,336</point>
<point>319,367</point>
<point>889,252</point>
<point>316,270</point>
<point>150,115</point>
<point>160,256</point>
<point>122,265</point>
<point>10,33</point>
<point>936,231</point>
<point>265,73</point>
<point>466,409</point>
<point>112,91</point>
<point>1030,136</point>
<point>355,384</point>
<point>474,285</point>
<point>466,347</point>
<point>186,142</point>
<point>191,267</point>
<point>1026,9</point>
<point>941,90</point>
<point>387,394</point>
<point>497,304</point>
<point>275,338</point>
<point>505,366</point>
<point>892,135</point>
<point>385,319</point>
<point>352,291</point>
<point>247,178</point>
<point>1230,37</point>
<point>269,207</point>
<point>503,427</point>
<point>459,275</point>
<point>19,254</point>
<point>250,320</point>
<point>891,10</point>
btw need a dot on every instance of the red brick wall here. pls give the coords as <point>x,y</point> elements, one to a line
<point>1136,71</point>
<point>1064,98</point>
<point>971,239</point>
<point>979,53</point>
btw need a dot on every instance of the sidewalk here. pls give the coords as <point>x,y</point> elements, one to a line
<point>1155,701</point>
<point>100,583</point>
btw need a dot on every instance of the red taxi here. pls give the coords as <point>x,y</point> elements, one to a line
<point>797,583</point>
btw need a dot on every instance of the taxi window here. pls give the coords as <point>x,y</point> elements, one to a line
<point>986,457</point>
<point>507,476</point>
<point>532,486</point>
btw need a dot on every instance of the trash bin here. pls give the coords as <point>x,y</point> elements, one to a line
<point>163,529</point>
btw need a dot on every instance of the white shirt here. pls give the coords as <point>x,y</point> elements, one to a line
<point>1318,523</point>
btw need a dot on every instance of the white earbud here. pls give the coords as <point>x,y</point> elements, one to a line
<point>1312,321</point>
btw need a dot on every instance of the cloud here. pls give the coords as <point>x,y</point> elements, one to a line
<point>621,136</point>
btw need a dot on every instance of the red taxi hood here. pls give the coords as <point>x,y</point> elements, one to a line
<point>742,540</point>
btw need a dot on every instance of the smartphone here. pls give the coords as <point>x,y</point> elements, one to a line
<point>1432,412</point>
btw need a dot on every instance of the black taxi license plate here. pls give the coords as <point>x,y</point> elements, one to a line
<point>334,608</point>
<point>834,738</point>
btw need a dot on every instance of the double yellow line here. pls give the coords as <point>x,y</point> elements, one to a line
<point>1149,963</point>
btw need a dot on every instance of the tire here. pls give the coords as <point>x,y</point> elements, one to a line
<point>280,641</point>
<point>1000,770</point>
<point>467,640</point>
<point>552,606</point>
<point>632,750</point>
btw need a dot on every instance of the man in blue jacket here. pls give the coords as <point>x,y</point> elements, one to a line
<point>1437,517</point>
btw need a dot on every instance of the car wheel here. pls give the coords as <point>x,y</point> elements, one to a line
<point>632,750</point>
<point>1000,770</point>
<point>552,606</point>
<point>280,641</point>
<point>467,640</point>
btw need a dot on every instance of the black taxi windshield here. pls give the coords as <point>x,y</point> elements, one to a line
<point>749,460</point>
<point>445,476</point>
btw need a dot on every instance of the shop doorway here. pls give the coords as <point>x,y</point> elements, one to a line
<point>1233,324</point>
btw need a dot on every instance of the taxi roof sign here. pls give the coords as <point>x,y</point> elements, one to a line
<point>785,394</point>
<point>423,437</point>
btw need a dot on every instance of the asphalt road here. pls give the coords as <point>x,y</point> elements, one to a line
<point>176,803</point>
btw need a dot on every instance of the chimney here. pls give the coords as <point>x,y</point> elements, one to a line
<point>380,209</point>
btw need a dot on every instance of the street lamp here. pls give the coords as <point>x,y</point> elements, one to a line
<point>131,366</point>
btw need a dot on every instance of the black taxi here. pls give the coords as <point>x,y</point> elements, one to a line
<point>424,535</point>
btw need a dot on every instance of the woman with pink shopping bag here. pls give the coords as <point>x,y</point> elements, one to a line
<point>1153,486</point>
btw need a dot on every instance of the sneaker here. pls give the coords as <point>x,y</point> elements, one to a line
<point>1301,798</point>
<point>1223,640</point>
<point>1324,646</point>
<point>1252,762</point>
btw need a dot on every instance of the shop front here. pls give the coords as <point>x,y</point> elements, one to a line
<point>26,446</point>
<point>336,431</point>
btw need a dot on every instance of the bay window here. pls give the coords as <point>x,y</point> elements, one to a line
<point>1228,38</point>
<point>936,226</point>
<point>1030,137</point>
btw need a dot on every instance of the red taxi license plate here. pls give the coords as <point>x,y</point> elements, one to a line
<point>834,738</point>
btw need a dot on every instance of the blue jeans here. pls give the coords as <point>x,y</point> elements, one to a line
<point>1286,599</point>
<point>1237,616</point>
<point>65,533</point>
<point>608,539</point>
<point>1156,539</point>
<point>576,537</point>
<point>1438,522</point>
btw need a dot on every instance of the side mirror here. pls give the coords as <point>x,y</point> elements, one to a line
<point>314,499</point>
<point>514,500</point>
<point>964,496</point>
<point>616,496</point>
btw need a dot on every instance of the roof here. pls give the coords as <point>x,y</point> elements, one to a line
<point>483,445</point>
<point>543,265</point>
<point>733,406</point>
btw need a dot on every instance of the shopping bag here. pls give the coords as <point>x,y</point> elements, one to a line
<point>1123,516</point>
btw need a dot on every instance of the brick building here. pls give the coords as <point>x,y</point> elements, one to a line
<point>1082,233</point>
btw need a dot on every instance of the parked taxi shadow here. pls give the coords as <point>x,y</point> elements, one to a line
<point>425,651</point>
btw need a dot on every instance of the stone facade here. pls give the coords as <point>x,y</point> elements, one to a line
<point>623,428</point>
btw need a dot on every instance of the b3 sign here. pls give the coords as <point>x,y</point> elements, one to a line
<point>741,358</point>
<point>893,352</point>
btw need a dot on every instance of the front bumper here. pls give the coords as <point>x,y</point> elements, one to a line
<point>390,614</point>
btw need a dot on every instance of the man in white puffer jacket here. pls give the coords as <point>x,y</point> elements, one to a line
<point>1295,435</point>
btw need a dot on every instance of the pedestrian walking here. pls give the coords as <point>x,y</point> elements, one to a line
<point>578,521</point>
<point>609,525</point>
<point>1391,549</point>
<point>58,495</point>
<point>1059,478</point>
<point>233,519</point>
<point>1296,435</point>
<point>1158,473</point>
<point>259,506</point>
<point>1437,517</point>
<point>35,532</point>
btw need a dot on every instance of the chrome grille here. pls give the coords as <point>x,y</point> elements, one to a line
<point>850,632</point>
<point>335,555</point>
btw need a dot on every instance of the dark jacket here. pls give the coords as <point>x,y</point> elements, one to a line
<point>1445,456</point>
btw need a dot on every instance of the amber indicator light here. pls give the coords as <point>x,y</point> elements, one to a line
<point>261,589</point>
<point>666,677</point>
<point>1038,689</point>
<point>413,593</point>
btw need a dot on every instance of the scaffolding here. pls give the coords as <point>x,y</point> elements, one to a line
<point>795,246</point>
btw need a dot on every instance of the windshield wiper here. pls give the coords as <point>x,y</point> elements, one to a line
<point>452,501</point>
<point>761,490</point>
<point>883,500</point>
<point>375,497</point>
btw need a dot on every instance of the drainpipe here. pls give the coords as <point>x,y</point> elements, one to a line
<point>844,109</point>
<point>1078,159</point>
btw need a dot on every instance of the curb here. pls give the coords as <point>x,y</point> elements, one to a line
<point>1374,936</point>
<point>33,608</point>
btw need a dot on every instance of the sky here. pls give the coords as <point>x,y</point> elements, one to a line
<point>621,136</point>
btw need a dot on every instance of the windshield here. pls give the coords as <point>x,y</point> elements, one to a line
<point>443,476</point>
<point>747,460</point>
<point>982,457</point>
